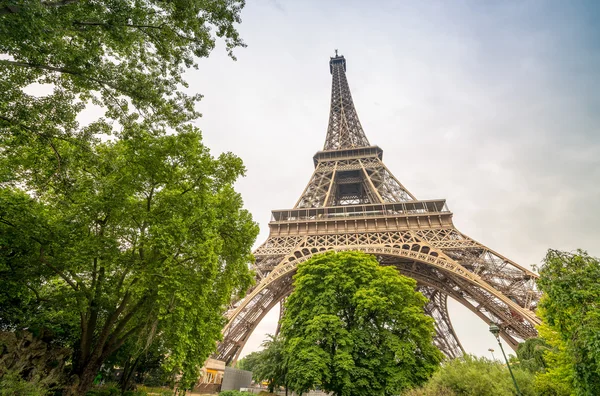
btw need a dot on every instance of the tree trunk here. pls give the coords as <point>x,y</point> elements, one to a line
<point>86,379</point>
<point>128,373</point>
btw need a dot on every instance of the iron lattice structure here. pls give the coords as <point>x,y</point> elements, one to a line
<point>353,202</point>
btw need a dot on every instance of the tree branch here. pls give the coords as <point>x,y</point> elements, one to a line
<point>141,27</point>
<point>59,70</point>
<point>56,270</point>
<point>9,9</point>
<point>84,23</point>
<point>58,3</point>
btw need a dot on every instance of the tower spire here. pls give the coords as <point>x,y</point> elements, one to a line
<point>344,130</point>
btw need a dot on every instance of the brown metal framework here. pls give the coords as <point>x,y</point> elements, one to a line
<point>353,202</point>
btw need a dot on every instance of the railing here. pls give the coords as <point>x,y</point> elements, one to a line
<point>353,211</point>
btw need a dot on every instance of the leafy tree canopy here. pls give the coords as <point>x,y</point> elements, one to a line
<point>268,364</point>
<point>111,231</point>
<point>122,61</point>
<point>571,316</point>
<point>354,327</point>
<point>126,56</point>
<point>146,239</point>
<point>249,361</point>
<point>530,355</point>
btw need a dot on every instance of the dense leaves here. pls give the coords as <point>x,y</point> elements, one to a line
<point>571,315</point>
<point>147,240</point>
<point>29,365</point>
<point>119,233</point>
<point>268,364</point>
<point>126,56</point>
<point>354,327</point>
<point>530,355</point>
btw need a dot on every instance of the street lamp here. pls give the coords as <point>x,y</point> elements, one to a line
<point>492,352</point>
<point>495,330</point>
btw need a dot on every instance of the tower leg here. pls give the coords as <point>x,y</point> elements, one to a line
<point>437,307</point>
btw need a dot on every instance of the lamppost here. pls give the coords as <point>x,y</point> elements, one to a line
<point>492,352</point>
<point>495,330</point>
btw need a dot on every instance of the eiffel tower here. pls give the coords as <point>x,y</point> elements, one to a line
<point>353,202</point>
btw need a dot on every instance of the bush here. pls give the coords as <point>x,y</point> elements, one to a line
<point>11,383</point>
<point>235,393</point>
<point>154,390</point>
<point>109,389</point>
<point>472,376</point>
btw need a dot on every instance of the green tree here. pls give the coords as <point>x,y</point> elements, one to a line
<point>145,236</point>
<point>571,315</point>
<point>354,327</point>
<point>557,378</point>
<point>530,355</point>
<point>473,376</point>
<point>249,361</point>
<point>269,364</point>
<point>111,231</point>
<point>128,57</point>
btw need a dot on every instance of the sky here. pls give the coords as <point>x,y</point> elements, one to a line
<point>492,105</point>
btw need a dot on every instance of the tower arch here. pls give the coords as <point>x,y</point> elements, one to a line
<point>438,278</point>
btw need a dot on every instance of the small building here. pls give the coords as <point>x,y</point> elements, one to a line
<point>211,376</point>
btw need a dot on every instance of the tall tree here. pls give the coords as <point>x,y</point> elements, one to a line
<point>111,230</point>
<point>354,327</point>
<point>570,311</point>
<point>146,236</point>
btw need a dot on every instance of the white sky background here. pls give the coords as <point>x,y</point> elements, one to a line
<point>491,105</point>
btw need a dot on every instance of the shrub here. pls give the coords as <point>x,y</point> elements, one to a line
<point>235,393</point>
<point>11,383</point>
<point>472,376</point>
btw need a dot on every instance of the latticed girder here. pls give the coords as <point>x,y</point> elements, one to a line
<point>437,307</point>
<point>504,300</point>
<point>352,181</point>
<point>344,129</point>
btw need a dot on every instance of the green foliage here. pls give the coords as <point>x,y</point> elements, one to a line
<point>147,240</point>
<point>530,355</point>
<point>113,390</point>
<point>473,376</point>
<point>128,57</point>
<point>155,391</point>
<point>249,361</point>
<point>354,327</point>
<point>109,389</point>
<point>571,321</point>
<point>12,383</point>
<point>235,393</point>
<point>29,364</point>
<point>112,231</point>
<point>267,364</point>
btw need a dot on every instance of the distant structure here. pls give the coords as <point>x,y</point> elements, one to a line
<point>353,202</point>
